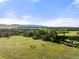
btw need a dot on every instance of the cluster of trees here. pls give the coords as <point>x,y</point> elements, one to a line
<point>43,34</point>
<point>65,28</point>
<point>4,33</point>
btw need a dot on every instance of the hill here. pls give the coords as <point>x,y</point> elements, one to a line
<point>27,26</point>
<point>18,47</point>
<point>3,26</point>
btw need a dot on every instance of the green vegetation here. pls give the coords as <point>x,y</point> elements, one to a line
<point>70,33</point>
<point>44,34</point>
<point>19,47</point>
<point>39,43</point>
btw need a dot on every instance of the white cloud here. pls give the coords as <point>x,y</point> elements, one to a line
<point>2,2</point>
<point>33,0</point>
<point>76,2</point>
<point>10,14</point>
<point>13,21</point>
<point>27,16</point>
<point>11,18</point>
<point>62,22</point>
<point>32,19</point>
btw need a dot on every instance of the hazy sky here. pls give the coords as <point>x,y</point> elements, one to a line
<point>40,12</point>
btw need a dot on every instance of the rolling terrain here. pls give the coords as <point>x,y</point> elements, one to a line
<point>19,47</point>
<point>5,26</point>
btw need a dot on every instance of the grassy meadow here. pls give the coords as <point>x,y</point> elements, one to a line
<point>70,33</point>
<point>19,47</point>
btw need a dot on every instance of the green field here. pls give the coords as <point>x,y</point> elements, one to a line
<point>18,47</point>
<point>71,33</point>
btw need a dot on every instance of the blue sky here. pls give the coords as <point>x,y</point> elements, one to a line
<point>40,12</point>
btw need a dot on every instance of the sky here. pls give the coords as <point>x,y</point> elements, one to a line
<point>54,13</point>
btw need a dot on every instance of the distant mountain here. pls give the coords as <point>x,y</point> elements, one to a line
<point>28,26</point>
<point>18,25</point>
<point>32,26</point>
<point>1,25</point>
<point>5,26</point>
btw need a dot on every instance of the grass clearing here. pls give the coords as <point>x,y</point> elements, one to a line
<point>71,33</point>
<point>18,47</point>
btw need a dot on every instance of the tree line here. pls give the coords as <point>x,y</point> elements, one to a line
<point>41,34</point>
